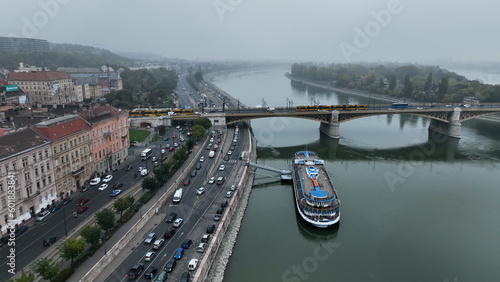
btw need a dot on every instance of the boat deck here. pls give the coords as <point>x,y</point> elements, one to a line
<point>315,181</point>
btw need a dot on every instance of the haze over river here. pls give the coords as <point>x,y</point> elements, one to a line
<point>416,206</point>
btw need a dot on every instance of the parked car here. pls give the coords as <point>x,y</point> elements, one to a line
<point>177,222</point>
<point>186,243</point>
<point>151,272</point>
<point>171,217</point>
<point>200,191</point>
<point>20,230</point>
<point>51,240</point>
<point>95,181</point>
<point>161,277</point>
<point>42,216</point>
<point>205,238</point>
<point>107,178</point>
<point>229,194</point>
<point>233,187</point>
<point>85,188</point>
<point>4,240</point>
<point>201,247</point>
<point>150,238</point>
<point>170,265</point>
<point>129,167</point>
<point>158,243</point>
<point>217,217</point>
<point>220,210</point>
<point>56,207</point>
<point>179,253</point>
<point>82,201</point>
<point>135,271</point>
<point>149,256</point>
<point>224,204</point>
<point>115,192</point>
<point>185,277</point>
<point>82,209</point>
<point>211,228</point>
<point>169,234</point>
<point>67,200</point>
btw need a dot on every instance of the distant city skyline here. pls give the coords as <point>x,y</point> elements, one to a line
<point>325,31</point>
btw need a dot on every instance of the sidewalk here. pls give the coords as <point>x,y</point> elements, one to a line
<point>91,261</point>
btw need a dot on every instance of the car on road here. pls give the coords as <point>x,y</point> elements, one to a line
<point>171,217</point>
<point>224,204</point>
<point>186,243</point>
<point>177,222</point>
<point>217,217</point>
<point>103,187</point>
<point>85,188</point>
<point>201,247</point>
<point>107,178</point>
<point>187,181</point>
<point>200,191</point>
<point>231,148</point>
<point>151,272</point>
<point>229,152</point>
<point>95,181</point>
<point>212,180</point>
<point>220,210</point>
<point>178,254</point>
<point>170,265</point>
<point>82,209</point>
<point>198,166</point>
<point>56,207</point>
<point>161,277</point>
<point>135,271</point>
<point>20,230</point>
<point>185,277</point>
<point>222,167</point>
<point>129,167</point>
<point>115,192</point>
<point>118,185</point>
<point>155,164</point>
<point>42,215</point>
<point>174,136</point>
<point>158,243</point>
<point>233,187</point>
<point>149,256</point>
<point>50,241</point>
<point>210,228</point>
<point>150,238</point>
<point>82,201</point>
<point>226,158</point>
<point>170,149</point>
<point>229,194</point>
<point>176,145</point>
<point>154,159</point>
<point>169,234</point>
<point>202,159</point>
<point>166,138</point>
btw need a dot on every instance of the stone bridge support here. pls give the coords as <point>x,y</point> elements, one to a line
<point>331,129</point>
<point>451,128</point>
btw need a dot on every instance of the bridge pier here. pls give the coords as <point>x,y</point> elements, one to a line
<point>331,129</point>
<point>451,128</point>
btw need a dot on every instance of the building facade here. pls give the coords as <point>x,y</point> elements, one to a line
<point>109,134</point>
<point>71,151</point>
<point>45,87</point>
<point>22,45</point>
<point>26,175</point>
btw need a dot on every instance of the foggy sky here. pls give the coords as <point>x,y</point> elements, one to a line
<point>295,30</point>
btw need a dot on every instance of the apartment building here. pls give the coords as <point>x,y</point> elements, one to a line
<point>27,174</point>
<point>45,87</point>
<point>109,134</point>
<point>71,146</point>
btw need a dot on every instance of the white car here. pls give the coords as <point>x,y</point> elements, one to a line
<point>103,187</point>
<point>202,159</point>
<point>200,191</point>
<point>222,167</point>
<point>95,181</point>
<point>149,256</point>
<point>229,194</point>
<point>212,180</point>
<point>107,178</point>
<point>177,222</point>
<point>42,216</point>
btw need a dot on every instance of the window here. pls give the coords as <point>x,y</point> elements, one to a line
<point>71,143</point>
<point>40,155</point>
<point>60,147</point>
<point>21,210</point>
<point>6,168</point>
<point>25,162</point>
<point>34,158</point>
<point>67,158</point>
<point>50,179</point>
<point>41,168</point>
<point>27,176</point>
<point>44,183</point>
<point>57,162</point>
<point>65,145</point>
<point>69,183</point>
<point>14,166</point>
<point>46,153</point>
<point>48,167</point>
<point>36,171</point>
<point>55,150</point>
<point>1,187</point>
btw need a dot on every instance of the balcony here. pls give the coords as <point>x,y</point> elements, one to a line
<point>107,133</point>
<point>32,196</point>
<point>124,136</point>
<point>78,171</point>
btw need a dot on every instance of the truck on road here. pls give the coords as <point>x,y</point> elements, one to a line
<point>178,195</point>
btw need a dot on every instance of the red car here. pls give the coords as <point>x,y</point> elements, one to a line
<point>187,181</point>
<point>82,209</point>
<point>174,136</point>
<point>171,149</point>
<point>82,201</point>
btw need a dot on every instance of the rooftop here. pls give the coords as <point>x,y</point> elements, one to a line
<point>38,76</point>
<point>20,141</point>
<point>60,127</point>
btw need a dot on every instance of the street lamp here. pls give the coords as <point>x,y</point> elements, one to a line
<point>64,215</point>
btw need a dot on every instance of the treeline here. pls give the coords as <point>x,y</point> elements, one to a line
<point>64,55</point>
<point>145,88</point>
<point>419,83</point>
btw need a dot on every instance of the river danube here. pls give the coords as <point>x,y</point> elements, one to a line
<point>416,206</point>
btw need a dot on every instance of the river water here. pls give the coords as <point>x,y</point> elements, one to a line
<point>416,206</point>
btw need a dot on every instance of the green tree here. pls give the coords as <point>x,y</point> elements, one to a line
<point>72,248</point>
<point>150,183</point>
<point>393,82</point>
<point>105,219</point>
<point>197,131</point>
<point>205,122</point>
<point>46,268</point>
<point>443,87</point>
<point>198,76</point>
<point>25,277</point>
<point>428,82</point>
<point>92,234</point>
<point>408,86</point>
<point>120,205</point>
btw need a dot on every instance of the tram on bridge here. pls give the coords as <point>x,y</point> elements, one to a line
<point>159,112</point>
<point>331,108</point>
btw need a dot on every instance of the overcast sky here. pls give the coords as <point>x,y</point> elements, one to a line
<point>297,30</point>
